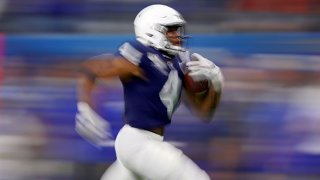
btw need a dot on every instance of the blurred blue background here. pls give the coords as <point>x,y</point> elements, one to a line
<point>268,124</point>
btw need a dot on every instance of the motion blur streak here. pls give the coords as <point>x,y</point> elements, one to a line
<point>267,126</point>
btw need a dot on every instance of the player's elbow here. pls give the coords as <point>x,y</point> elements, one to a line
<point>86,72</point>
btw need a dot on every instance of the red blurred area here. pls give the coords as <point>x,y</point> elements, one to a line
<point>276,6</point>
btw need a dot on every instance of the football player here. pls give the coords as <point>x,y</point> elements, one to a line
<point>151,69</point>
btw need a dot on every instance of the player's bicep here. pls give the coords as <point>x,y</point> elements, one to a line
<point>104,67</point>
<point>126,69</point>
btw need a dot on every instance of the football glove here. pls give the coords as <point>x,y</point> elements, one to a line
<point>201,68</point>
<point>91,126</point>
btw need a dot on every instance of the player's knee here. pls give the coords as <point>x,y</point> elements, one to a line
<point>188,170</point>
<point>203,176</point>
<point>196,174</point>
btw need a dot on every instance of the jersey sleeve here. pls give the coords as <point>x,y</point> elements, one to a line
<point>130,52</point>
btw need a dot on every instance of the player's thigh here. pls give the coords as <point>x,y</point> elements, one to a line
<point>161,160</point>
<point>164,161</point>
<point>146,154</point>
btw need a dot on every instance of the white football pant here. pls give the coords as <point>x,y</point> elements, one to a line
<point>143,155</point>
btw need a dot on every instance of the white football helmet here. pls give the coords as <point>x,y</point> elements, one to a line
<point>150,26</point>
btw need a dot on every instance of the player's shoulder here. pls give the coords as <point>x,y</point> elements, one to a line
<point>133,51</point>
<point>134,44</point>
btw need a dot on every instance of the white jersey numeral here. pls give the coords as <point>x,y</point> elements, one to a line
<point>170,92</point>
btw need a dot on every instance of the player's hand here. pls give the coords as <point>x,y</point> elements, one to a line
<point>91,126</point>
<point>202,68</point>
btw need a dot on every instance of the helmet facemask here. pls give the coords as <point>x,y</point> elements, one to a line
<point>175,39</point>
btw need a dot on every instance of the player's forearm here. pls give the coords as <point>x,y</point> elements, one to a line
<point>210,103</point>
<point>85,87</point>
<point>86,83</point>
<point>207,103</point>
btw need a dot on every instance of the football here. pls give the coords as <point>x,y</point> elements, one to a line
<point>193,86</point>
